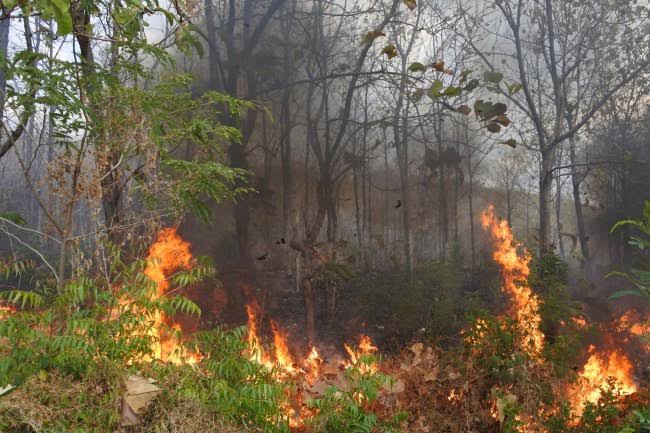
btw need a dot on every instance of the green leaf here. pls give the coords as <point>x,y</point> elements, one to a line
<point>493,77</point>
<point>434,90</point>
<point>14,218</point>
<point>510,142</point>
<point>453,91</point>
<point>623,293</point>
<point>417,67</point>
<point>390,50</point>
<point>514,88</point>
<point>61,11</point>
<point>371,36</point>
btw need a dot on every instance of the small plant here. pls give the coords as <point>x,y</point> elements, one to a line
<point>640,278</point>
<point>350,408</point>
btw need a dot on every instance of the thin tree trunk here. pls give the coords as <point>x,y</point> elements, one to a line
<point>4,44</point>
<point>545,199</point>
<point>577,203</point>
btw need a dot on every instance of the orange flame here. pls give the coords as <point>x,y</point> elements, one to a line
<point>366,347</point>
<point>633,323</point>
<point>282,354</point>
<point>168,254</point>
<point>312,363</point>
<point>514,272</point>
<point>6,310</point>
<point>295,411</point>
<point>595,374</point>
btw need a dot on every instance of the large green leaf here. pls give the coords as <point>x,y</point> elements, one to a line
<point>60,10</point>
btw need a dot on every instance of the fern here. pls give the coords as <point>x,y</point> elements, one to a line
<point>24,299</point>
<point>640,278</point>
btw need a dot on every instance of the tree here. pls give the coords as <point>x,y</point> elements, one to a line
<point>113,137</point>
<point>557,51</point>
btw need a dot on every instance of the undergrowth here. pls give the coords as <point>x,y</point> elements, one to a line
<point>66,352</point>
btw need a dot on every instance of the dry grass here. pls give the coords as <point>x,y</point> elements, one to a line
<point>49,403</point>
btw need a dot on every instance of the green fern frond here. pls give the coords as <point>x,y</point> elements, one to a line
<point>22,298</point>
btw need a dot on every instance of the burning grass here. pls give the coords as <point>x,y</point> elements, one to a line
<point>501,378</point>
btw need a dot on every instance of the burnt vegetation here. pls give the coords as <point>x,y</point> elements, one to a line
<point>324,216</point>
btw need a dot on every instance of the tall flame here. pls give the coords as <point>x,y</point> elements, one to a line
<point>167,255</point>
<point>514,272</point>
<point>282,354</point>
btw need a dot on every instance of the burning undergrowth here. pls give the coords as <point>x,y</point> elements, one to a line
<point>505,375</point>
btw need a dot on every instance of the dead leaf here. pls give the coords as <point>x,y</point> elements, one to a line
<point>430,376</point>
<point>417,348</point>
<point>139,392</point>
<point>411,4</point>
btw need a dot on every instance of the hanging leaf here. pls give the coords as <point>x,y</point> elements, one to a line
<point>371,36</point>
<point>500,108</point>
<point>439,65</point>
<point>411,4</point>
<point>473,84</point>
<point>493,127</point>
<point>417,94</point>
<point>510,142</point>
<point>502,119</point>
<point>60,11</point>
<point>514,88</point>
<point>417,67</point>
<point>464,109</point>
<point>453,91</point>
<point>464,75</point>
<point>14,218</point>
<point>390,50</point>
<point>493,77</point>
<point>434,90</point>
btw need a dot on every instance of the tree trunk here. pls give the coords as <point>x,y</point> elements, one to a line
<point>401,145</point>
<point>4,44</point>
<point>558,215</point>
<point>577,203</point>
<point>471,214</point>
<point>545,199</point>
<point>443,219</point>
<point>285,152</point>
<point>213,56</point>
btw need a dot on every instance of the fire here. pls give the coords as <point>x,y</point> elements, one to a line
<point>312,363</point>
<point>595,376</point>
<point>579,321</point>
<point>514,272</point>
<point>167,255</point>
<point>305,372</point>
<point>6,310</point>
<point>633,324</point>
<point>365,348</point>
<point>282,354</point>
